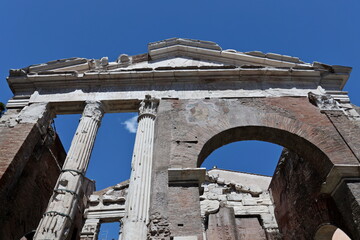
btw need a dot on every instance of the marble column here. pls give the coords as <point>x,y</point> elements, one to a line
<point>58,218</point>
<point>138,198</point>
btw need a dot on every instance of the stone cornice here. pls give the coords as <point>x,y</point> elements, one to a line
<point>94,81</point>
<point>211,64</point>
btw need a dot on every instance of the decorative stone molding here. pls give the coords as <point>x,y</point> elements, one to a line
<point>90,229</point>
<point>148,107</point>
<point>108,205</point>
<point>334,101</point>
<point>324,102</point>
<point>94,110</point>
<point>246,193</point>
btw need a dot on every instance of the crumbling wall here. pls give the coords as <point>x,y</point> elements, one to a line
<point>187,131</point>
<point>300,206</point>
<point>23,202</point>
<point>237,205</point>
<point>30,163</point>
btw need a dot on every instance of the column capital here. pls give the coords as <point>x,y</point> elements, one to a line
<point>94,110</point>
<point>148,107</point>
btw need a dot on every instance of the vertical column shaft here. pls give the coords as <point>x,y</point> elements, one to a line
<point>57,220</point>
<point>138,199</point>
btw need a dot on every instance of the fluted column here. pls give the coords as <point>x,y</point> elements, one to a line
<point>60,213</point>
<point>138,198</point>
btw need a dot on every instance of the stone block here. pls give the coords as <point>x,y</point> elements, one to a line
<point>234,197</point>
<point>217,190</point>
<point>250,210</point>
<point>222,198</point>
<point>249,202</point>
<point>186,238</point>
<point>209,206</point>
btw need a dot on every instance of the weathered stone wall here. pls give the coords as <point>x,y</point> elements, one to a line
<point>30,162</point>
<point>300,206</point>
<point>187,131</point>
<point>240,202</point>
<point>347,198</point>
<point>24,199</point>
<point>188,222</point>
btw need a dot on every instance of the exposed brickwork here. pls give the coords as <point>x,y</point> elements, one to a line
<point>348,197</point>
<point>159,225</point>
<point>184,211</point>
<point>295,189</point>
<point>16,147</point>
<point>349,130</point>
<point>23,202</point>
<point>189,130</point>
<point>222,225</point>
<point>249,228</point>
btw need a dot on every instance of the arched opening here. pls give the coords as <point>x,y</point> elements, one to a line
<point>270,201</point>
<point>238,178</point>
<point>281,137</point>
<point>256,157</point>
<point>330,232</point>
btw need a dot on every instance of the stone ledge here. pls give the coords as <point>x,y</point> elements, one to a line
<point>186,175</point>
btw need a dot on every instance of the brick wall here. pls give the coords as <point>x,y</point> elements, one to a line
<point>28,172</point>
<point>189,130</point>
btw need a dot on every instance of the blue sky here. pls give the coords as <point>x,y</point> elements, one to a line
<point>38,31</point>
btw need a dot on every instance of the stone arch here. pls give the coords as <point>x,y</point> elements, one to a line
<point>262,133</point>
<point>302,138</point>
<point>316,141</point>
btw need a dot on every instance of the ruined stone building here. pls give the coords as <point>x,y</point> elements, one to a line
<point>192,98</point>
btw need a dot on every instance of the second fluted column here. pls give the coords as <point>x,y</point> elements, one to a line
<point>138,199</point>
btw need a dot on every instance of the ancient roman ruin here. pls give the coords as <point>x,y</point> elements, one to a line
<point>192,98</point>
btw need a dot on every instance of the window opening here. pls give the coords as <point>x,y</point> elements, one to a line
<point>109,231</point>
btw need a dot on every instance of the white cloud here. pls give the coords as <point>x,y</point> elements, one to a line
<point>131,124</point>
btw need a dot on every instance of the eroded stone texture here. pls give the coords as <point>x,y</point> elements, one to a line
<point>208,97</point>
<point>248,198</point>
<point>222,226</point>
<point>200,126</point>
<point>39,176</point>
<point>295,188</point>
<point>30,161</point>
<point>107,205</point>
<point>138,199</point>
<point>347,197</point>
<point>61,212</point>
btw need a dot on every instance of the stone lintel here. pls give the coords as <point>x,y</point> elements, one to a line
<point>186,175</point>
<point>120,101</point>
<point>106,215</point>
<point>56,82</point>
<point>186,238</point>
<point>338,174</point>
